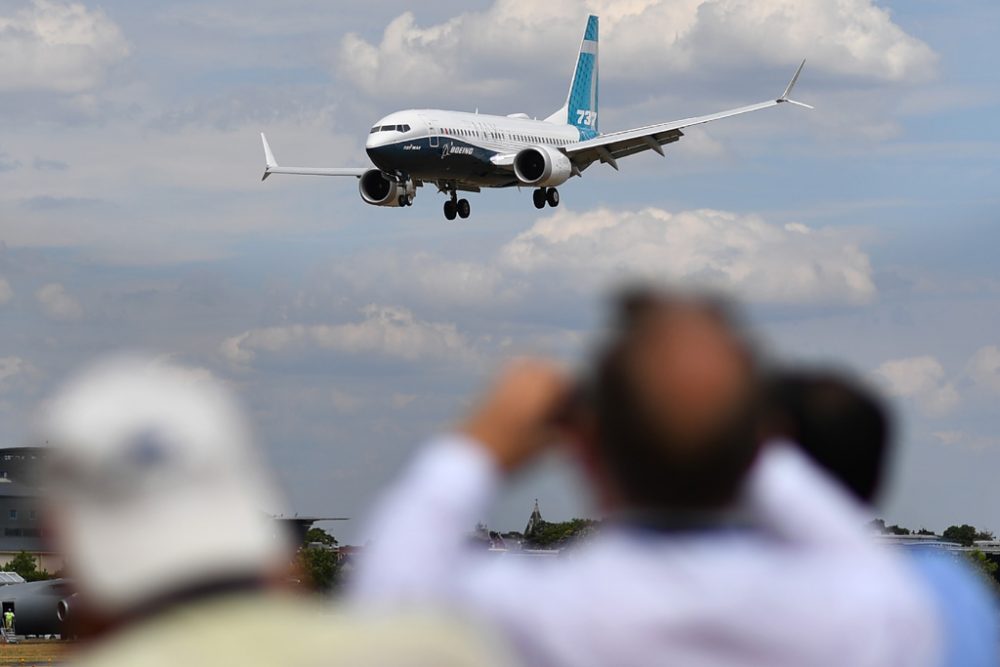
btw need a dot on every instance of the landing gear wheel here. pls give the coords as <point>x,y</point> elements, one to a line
<point>552,196</point>
<point>450,210</point>
<point>463,208</point>
<point>538,196</point>
<point>404,200</point>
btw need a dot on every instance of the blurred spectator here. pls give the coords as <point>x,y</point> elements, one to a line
<point>157,499</point>
<point>840,424</point>
<point>845,429</point>
<point>665,432</point>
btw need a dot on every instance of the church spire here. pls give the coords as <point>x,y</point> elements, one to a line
<point>534,522</point>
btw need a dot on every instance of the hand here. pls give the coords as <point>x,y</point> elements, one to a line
<point>517,419</point>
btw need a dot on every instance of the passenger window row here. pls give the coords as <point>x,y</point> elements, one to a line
<point>504,135</point>
<point>471,133</point>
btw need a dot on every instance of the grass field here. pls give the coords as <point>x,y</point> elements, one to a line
<point>33,653</point>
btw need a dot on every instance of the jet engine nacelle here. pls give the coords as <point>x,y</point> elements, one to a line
<point>542,166</point>
<point>379,190</point>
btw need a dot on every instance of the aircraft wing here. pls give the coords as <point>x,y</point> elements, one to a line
<point>271,167</point>
<point>609,147</point>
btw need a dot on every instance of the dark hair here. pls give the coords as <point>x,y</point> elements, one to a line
<point>838,422</point>
<point>656,465</point>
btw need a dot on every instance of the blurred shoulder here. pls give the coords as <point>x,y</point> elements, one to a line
<point>290,630</point>
<point>966,604</point>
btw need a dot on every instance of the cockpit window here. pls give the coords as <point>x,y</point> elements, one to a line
<point>390,128</point>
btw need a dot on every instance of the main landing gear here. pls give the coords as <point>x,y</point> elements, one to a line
<point>457,207</point>
<point>543,196</point>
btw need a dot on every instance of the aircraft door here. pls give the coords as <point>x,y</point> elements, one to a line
<point>434,133</point>
<point>7,606</point>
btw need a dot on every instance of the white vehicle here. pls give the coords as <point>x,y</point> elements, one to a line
<point>464,152</point>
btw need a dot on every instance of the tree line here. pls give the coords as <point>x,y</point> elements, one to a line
<point>964,535</point>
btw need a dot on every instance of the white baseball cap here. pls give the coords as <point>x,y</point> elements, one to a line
<point>154,483</point>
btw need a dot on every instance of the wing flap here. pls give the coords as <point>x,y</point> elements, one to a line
<point>586,152</point>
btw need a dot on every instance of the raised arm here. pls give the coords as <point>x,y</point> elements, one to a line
<point>419,529</point>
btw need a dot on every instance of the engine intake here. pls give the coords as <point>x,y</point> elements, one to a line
<point>379,190</point>
<point>542,166</point>
<point>62,610</point>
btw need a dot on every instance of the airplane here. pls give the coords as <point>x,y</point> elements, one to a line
<point>40,607</point>
<point>465,152</point>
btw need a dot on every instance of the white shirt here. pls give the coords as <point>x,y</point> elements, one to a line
<point>635,598</point>
<point>799,504</point>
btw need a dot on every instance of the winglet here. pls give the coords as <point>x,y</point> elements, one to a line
<point>786,96</point>
<point>269,161</point>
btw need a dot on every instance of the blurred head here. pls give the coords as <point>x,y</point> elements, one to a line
<point>839,423</point>
<point>673,402</point>
<point>154,484</point>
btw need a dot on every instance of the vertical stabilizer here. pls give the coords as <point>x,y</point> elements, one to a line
<point>580,109</point>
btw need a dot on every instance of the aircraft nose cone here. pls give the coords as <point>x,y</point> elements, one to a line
<point>379,155</point>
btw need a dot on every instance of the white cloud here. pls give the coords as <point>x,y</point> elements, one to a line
<point>391,275</point>
<point>58,304</point>
<point>384,331</point>
<point>400,401</point>
<point>758,260</point>
<point>565,253</point>
<point>984,368</point>
<point>847,37</point>
<point>6,292</point>
<point>921,379</point>
<point>344,402</point>
<point>949,438</point>
<point>966,440</point>
<point>91,210</point>
<point>57,46</point>
<point>15,371</point>
<point>925,380</point>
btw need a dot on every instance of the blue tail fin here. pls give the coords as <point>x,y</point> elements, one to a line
<point>580,109</point>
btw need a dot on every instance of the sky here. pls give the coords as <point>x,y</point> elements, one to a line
<point>860,234</point>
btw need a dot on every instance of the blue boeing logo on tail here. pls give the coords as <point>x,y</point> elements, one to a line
<point>581,105</point>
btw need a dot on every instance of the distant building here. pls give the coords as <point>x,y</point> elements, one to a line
<point>297,526</point>
<point>937,542</point>
<point>20,507</point>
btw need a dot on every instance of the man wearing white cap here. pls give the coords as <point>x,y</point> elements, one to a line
<point>158,500</point>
